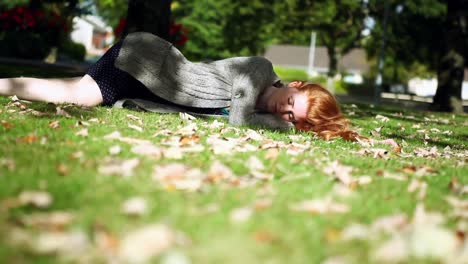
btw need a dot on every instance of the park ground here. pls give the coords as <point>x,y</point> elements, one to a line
<point>101,185</point>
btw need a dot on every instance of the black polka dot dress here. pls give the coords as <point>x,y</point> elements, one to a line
<point>116,84</point>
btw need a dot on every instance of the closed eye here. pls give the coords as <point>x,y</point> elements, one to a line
<point>291,101</point>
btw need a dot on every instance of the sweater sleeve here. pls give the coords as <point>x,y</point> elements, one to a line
<point>251,76</point>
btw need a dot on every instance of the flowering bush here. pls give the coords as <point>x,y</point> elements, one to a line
<point>21,25</point>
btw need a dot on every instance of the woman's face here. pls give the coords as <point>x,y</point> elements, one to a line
<point>288,103</point>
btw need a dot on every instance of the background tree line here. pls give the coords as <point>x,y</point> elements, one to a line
<point>423,37</point>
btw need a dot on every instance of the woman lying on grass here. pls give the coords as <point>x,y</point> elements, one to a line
<point>144,66</point>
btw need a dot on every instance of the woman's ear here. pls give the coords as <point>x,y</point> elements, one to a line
<point>295,84</point>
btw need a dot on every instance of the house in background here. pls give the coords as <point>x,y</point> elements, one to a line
<point>93,33</point>
<point>354,64</point>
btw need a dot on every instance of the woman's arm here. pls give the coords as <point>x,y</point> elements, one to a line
<point>81,91</point>
<point>252,76</point>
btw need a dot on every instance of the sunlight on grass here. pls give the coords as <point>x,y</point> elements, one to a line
<point>249,211</point>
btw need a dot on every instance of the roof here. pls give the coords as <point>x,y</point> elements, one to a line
<point>298,57</point>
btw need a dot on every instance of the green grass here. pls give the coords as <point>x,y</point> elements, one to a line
<point>291,74</point>
<point>272,235</point>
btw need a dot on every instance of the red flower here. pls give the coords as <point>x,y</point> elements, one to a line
<point>120,27</point>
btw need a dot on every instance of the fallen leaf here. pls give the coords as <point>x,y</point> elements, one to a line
<point>147,150</point>
<point>9,163</point>
<point>320,206</point>
<point>187,117</point>
<point>6,124</point>
<point>374,152</point>
<point>135,127</point>
<point>179,177</point>
<point>38,199</point>
<point>52,220</point>
<point>240,215</point>
<point>255,164</point>
<point>124,168</point>
<point>340,172</point>
<point>394,250</point>
<point>62,169</point>
<point>355,231</point>
<point>67,244</point>
<point>29,139</point>
<point>382,118</point>
<point>54,124</point>
<point>218,172</point>
<point>82,132</point>
<point>61,112</point>
<point>135,118</point>
<point>135,206</point>
<point>145,243</point>
<point>115,150</point>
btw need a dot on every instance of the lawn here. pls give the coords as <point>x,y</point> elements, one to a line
<point>111,185</point>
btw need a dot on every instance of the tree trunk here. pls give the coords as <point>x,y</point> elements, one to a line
<point>333,62</point>
<point>149,16</point>
<point>450,72</point>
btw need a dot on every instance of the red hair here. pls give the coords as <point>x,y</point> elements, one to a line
<point>324,116</point>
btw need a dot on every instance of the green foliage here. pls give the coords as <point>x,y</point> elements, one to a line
<point>75,51</point>
<point>414,36</point>
<point>27,45</point>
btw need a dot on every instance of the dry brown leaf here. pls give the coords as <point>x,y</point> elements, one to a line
<point>320,206</point>
<point>431,153</point>
<point>117,136</point>
<point>145,243</point>
<point>9,163</point>
<point>340,172</point>
<point>54,124</point>
<point>67,244</point>
<point>178,177</point>
<point>219,172</point>
<point>262,204</point>
<point>188,130</point>
<point>135,127</point>
<point>82,132</point>
<point>135,118</point>
<point>115,150</point>
<point>255,164</point>
<point>52,221</point>
<point>147,150</point>
<point>382,118</point>
<point>264,236</point>
<point>251,134</point>
<point>135,206</point>
<point>38,199</point>
<point>216,125</point>
<point>272,154</point>
<point>394,250</point>
<point>6,124</point>
<point>61,112</point>
<point>29,139</point>
<point>374,152</point>
<point>123,168</point>
<point>355,231</point>
<point>187,117</point>
<point>240,215</point>
<point>62,169</point>
<point>189,140</point>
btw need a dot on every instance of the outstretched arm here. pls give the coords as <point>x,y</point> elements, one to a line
<point>81,90</point>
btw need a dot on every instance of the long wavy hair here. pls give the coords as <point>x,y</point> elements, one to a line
<point>324,116</point>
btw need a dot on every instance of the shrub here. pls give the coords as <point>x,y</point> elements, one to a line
<point>73,50</point>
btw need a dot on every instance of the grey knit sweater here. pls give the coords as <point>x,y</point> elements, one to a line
<point>236,82</point>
